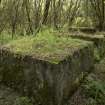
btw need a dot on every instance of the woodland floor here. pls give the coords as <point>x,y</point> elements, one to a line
<point>98,75</point>
<point>7,96</point>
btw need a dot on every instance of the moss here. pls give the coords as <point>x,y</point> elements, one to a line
<point>99,42</point>
<point>23,101</point>
<point>6,38</point>
<point>94,89</point>
<point>97,57</point>
<point>46,46</point>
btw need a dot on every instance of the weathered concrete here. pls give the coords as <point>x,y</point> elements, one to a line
<point>47,83</point>
<point>83,29</point>
<point>99,43</point>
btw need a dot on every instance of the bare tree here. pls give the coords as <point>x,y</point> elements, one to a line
<point>46,10</point>
<point>73,10</point>
<point>26,3</point>
<point>98,7</point>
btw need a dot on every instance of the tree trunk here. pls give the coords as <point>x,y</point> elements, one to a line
<point>28,17</point>
<point>46,10</point>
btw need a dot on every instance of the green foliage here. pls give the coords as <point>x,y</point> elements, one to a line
<point>6,38</point>
<point>46,45</point>
<point>95,91</point>
<point>97,57</point>
<point>23,101</point>
<point>83,22</point>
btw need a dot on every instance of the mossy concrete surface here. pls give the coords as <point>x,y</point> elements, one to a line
<point>47,82</point>
<point>99,44</point>
<point>49,48</point>
<point>97,38</point>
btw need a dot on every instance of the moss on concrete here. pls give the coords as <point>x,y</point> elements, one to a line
<point>47,47</point>
<point>99,44</point>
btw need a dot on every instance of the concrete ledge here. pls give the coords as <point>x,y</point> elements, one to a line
<point>83,29</point>
<point>99,43</point>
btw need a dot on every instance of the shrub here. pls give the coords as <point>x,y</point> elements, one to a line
<point>95,91</point>
<point>23,101</point>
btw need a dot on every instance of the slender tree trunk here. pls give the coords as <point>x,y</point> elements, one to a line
<point>99,11</point>
<point>103,14</point>
<point>28,17</point>
<point>54,14</point>
<point>46,10</point>
<point>14,19</point>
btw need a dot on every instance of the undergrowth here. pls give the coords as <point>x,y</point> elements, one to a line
<point>95,91</point>
<point>23,101</point>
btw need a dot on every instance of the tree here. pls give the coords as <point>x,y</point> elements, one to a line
<point>46,10</point>
<point>73,10</point>
<point>98,7</point>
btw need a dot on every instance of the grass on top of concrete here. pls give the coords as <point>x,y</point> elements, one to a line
<point>46,46</point>
<point>6,38</point>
